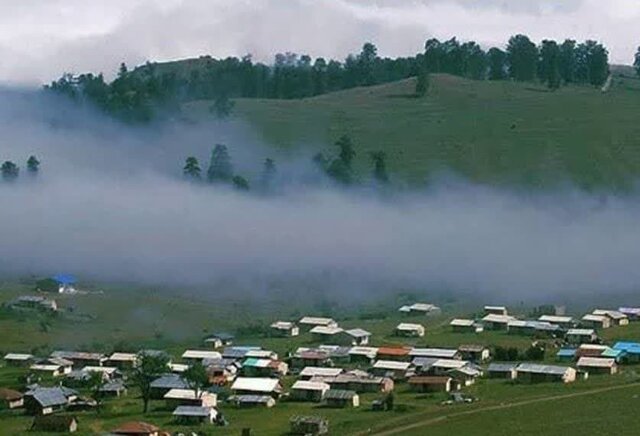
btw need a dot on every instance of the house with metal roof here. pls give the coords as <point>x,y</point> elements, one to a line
<point>305,390</point>
<point>595,321</point>
<point>284,329</point>
<point>357,336</point>
<point>631,351</point>
<point>10,399</point>
<point>393,369</point>
<point>44,401</point>
<point>341,398</point>
<point>496,310</point>
<point>165,383</point>
<point>597,365</point>
<point>394,353</point>
<point>439,353</point>
<point>81,358</point>
<point>123,360</point>
<point>193,356</point>
<point>310,357</point>
<point>327,333</point>
<point>113,389</point>
<point>581,336</point>
<point>562,321</point>
<point>474,352</point>
<point>420,308</point>
<point>443,366</point>
<point>189,397</point>
<point>566,354</point>
<point>493,321</point>
<point>310,372</point>
<point>252,401</point>
<point>535,373</point>
<point>615,317</point>
<point>531,328</point>
<point>256,385</point>
<point>66,283</point>
<point>505,370</point>
<point>18,359</point>
<point>466,375</point>
<point>308,322</point>
<point>195,414</point>
<point>460,325</point>
<point>633,313</point>
<point>360,382</point>
<point>409,330</point>
<point>51,369</point>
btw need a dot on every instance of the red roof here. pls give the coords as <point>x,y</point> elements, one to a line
<point>136,427</point>
<point>394,351</point>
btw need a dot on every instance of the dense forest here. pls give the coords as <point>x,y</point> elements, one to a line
<point>155,89</point>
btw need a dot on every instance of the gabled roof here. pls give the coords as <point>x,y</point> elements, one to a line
<point>326,330</point>
<point>9,394</point>
<point>392,365</point>
<point>47,397</point>
<point>459,322</point>
<point>195,411</point>
<point>283,325</point>
<point>364,351</point>
<point>314,320</point>
<point>169,381</point>
<point>444,353</point>
<point>581,332</point>
<point>124,357</point>
<point>449,363</point>
<point>499,319</point>
<point>339,394</point>
<point>635,311</point>
<point>409,326</point>
<point>185,394</point>
<point>613,314</point>
<point>502,367</point>
<point>594,318</point>
<point>254,399</point>
<point>201,354</point>
<point>78,355</point>
<point>256,384</point>
<point>18,356</point>
<point>596,362</point>
<point>556,319</point>
<point>542,369</point>
<point>310,386</point>
<point>315,371</point>
<point>358,333</point>
<point>261,354</point>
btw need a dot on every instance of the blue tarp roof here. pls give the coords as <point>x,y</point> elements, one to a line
<point>566,352</point>
<point>629,347</point>
<point>64,279</point>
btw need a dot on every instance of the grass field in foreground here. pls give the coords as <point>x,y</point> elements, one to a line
<point>500,133</point>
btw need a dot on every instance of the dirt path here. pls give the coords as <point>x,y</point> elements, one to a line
<point>431,421</point>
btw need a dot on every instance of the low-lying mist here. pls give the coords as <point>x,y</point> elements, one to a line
<point>109,205</point>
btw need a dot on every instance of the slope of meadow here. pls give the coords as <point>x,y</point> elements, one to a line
<point>500,133</point>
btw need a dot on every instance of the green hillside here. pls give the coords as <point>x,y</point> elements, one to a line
<point>500,133</point>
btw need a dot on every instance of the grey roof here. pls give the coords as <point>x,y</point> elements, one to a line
<point>358,333</point>
<point>192,411</point>
<point>502,367</point>
<point>113,386</point>
<point>169,381</point>
<point>251,398</point>
<point>424,362</point>
<point>543,369</point>
<point>339,394</point>
<point>48,397</point>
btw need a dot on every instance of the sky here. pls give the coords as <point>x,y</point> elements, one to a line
<point>41,39</point>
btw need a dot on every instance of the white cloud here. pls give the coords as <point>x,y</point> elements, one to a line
<point>40,39</point>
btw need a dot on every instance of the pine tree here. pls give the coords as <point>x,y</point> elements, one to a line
<point>192,169</point>
<point>380,174</point>
<point>220,168</point>
<point>9,171</point>
<point>33,165</point>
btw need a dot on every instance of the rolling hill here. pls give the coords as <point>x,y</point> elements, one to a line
<point>497,133</point>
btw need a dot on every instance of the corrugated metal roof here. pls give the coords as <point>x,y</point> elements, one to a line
<point>596,362</point>
<point>201,354</point>
<point>458,322</point>
<point>339,394</point>
<point>445,353</point>
<point>313,320</point>
<point>310,386</point>
<point>17,356</point>
<point>358,333</point>
<point>502,367</point>
<point>566,352</point>
<point>326,330</point>
<point>169,381</point>
<point>581,332</point>
<point>315,371</point>
<point>195,411</point>
<point>392,364</point>
<point>256,363</point>
<point>255,384</point>
<point>409,326</point>
<point>542,369</point>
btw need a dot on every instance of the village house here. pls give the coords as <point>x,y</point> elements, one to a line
<point>565,322</point>
<point>81,359</point>
<point>261,354</point>
<point>357,336</point>
<point>45,401</point>
<point>108,372</point>
<point>55,423</point>
<point>432,384</point>
<point>327,334</point>
<point>195,414</point>
<point>474,353</point>
<point>536,373</point>
<point>197,356</point>
<point>123,360</point>
<point>189,397</point>
<point>436,353</point>
<point>113,389</point>
<point>163,384</point>
<point>178,368</point>
<point>496,310</point>
<point>18,359</point>
<point>35,303</point>
<point>308,322</point>
<point>566,354</point>
<point>615,317</point>
<point>597,365</point>
<point>305,390</point>
<point>136,428</point>
<point>460,325</point>
<point>253,367</point>
<point>423,364</point>
<point>502,370</point>
<point>597,350</point>
<point>531,328</point>
<point>307,357</point>
<point>421,309</point>
<point>633,313</point>
<point>284,329</point>
<point>394,353</point>
<point>595,321</point>
<point>409,330</point>
<point>221,371</point>
<point>494,321</point>
<point>444,366</point>
<point>237,352</point>
<point>341,398</point>
<point>310,372</point>
<point>10,399</point>
<point>391,368</point>
<point>631,351</point>
<point>466,375</point>
<point>360,383</point>
<point>257,386</point>
<point>252,400</point>
<point>364,355</point>
<point>308,425</point>
<point>339,354</point>
<point>52,368</point>
<point>581,336</point>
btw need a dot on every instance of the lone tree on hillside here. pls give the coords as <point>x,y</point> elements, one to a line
<point>220,168</point>
<point>33,165</point>
<point>422,83</point>
<point>340,169</point>
<point>636,61</point>
<point>150,367</point>
<point>379,166</point>
<point>196,378</point>
<point>192,169</point>
<point>10,171</point>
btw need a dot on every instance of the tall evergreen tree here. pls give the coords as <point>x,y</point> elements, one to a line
<point>380,174</point>
<point>192,168</point>
<point>220,168</point>
<point>568,61</point>
<point>9,171</point>
<point>347,153</point>
<point>636,61</point>
<point>33,165</point>
<point>549,70</point>
<point>497,64</point>
<point>269,172</point>
<point>522,58</point>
